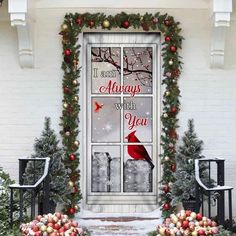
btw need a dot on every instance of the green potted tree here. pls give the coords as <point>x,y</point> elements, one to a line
<point>183,189</point>
<point>47,146</point>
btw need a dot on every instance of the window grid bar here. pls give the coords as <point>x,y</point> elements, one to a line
<point>122,124</point>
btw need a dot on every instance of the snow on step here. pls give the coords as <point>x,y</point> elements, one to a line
<point>110,227</point>
<point>119,224</point>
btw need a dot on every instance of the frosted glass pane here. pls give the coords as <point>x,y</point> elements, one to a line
<point>138,175</point>
<point>106,171</point>
<point>106,66</point>
<point>138,116</point>
<point>138,69</point>
<point>106,119</point>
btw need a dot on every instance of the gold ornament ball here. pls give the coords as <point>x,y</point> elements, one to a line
<point>162,231</point>
<point>75,82</point>
<point>76,207</point>
<point>64,27</point>
<point>141,18</point>
<point>76,98</point>
<point>167,93</point>
<point>77,143</point>
<point>106,24</point>
<point>50,229</point>
<point>193,215</point>
<point>171,62</point>
<point>43,228</point>
<point>71,183</point>
<point>65,105</point>
<point>194,233</point>
<point>165,115</point>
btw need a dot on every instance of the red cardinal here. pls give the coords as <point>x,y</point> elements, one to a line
<point>98,106</point>
<point>138,152</point>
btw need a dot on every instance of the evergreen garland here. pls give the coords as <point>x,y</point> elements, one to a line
<point>73,25</point>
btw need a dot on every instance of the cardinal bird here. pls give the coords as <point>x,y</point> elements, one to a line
<point>138,152</point>
<point>98,106</point>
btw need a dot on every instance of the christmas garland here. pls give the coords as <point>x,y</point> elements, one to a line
<point>72,26</point>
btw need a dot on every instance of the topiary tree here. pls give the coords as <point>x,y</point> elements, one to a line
<point>47,146</point>
<point>183,188</point>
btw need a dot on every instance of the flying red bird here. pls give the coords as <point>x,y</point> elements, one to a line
<point>138,152</point>
<point>98,106</point>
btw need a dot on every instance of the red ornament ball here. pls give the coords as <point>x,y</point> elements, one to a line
<point>91,23</point>
<point>71,211</point>
<point>185,224</point>
<point>145,26</point>
<point>173,134</point>
<point>188,213</point>
<point>167,38</point>
<point>173,109</point>
<point>79,21</point>
<point>173,167</point>
<point>75,190</point>
<point>154,20</point>
<point>173,48</point>
<point>201,232</point>
<point>199,216</point>
<point>125,24</point>
<point>175,73</point>
<point>72,157</point>
<point>166,188</point>
<point>67,52</point>
<point>166,206</point>
<point>66,90</point>
<point>167,22</point>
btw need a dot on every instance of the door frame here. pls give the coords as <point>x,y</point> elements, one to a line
<point>90,200</point>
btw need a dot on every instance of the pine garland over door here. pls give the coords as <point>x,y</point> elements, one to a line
<point>72,26</point>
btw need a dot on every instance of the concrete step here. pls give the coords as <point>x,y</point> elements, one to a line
<point>119,226</point>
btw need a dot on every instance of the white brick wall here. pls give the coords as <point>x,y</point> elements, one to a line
<point>27,96</point>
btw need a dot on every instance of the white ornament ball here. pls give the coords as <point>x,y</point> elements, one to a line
<point>171,62</point>
<point>167,158</point>
<point>65,105</point>
<point>77,143</point>
<point>75,82</point>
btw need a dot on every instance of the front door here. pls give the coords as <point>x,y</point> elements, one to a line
<point>122,118</point>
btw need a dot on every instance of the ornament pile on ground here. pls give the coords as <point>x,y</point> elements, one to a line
<point>55,224</point>
<point>187,223</point>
